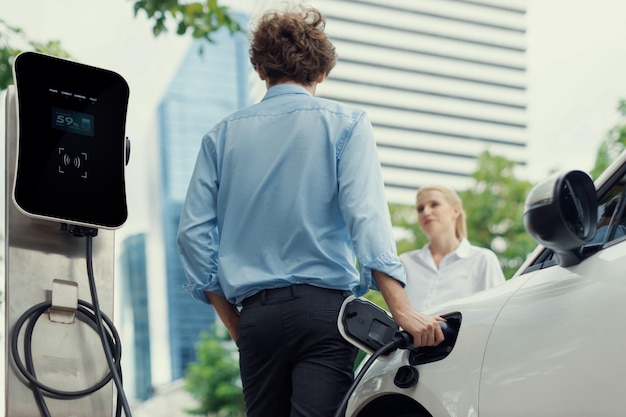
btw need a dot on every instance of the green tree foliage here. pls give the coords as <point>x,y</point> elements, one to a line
<point>213,380</point>
<point>13,40</point>
<point>404,221</point>
<point>494,208</point>
<point>377,298</point>
<point>613,144</point>
<point>200,19</point>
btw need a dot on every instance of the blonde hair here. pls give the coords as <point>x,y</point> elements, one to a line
<point>451,196</point>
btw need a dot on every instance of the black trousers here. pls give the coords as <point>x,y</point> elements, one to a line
<point>293,360</point>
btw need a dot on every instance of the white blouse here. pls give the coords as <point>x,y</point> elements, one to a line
<point>467,270</point>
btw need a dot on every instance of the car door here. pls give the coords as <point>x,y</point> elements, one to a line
<point>558,347</point>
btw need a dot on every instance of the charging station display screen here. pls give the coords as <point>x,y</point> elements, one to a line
<point>72,121</point>
<point>71,143</point>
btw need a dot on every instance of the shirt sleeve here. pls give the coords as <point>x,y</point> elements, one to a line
<point>198,237</point>
<point>364,206</point>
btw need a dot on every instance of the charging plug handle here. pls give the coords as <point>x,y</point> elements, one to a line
<point>404,340</point>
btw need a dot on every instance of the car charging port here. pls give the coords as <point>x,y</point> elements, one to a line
<point>427,354</point>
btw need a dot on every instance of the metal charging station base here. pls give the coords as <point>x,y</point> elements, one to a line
<point>68,357</point>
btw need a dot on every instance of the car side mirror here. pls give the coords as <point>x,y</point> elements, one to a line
<point>561,214</point>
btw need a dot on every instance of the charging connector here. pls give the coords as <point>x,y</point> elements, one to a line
<point>365,325</point>
<point>373,330</point>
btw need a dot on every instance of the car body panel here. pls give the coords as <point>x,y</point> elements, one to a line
<point>563,318</point>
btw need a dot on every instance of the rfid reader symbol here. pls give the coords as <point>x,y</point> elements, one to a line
<point>72,163</point>
<point>67,160</point>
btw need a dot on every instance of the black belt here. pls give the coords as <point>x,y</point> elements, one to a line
<point>279,295</point>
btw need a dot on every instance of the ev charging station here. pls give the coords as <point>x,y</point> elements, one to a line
<point>66,153</point>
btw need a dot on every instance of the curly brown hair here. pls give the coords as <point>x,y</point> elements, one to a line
<point>292,46</point>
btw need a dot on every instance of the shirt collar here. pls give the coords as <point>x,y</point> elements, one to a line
<point>462,251</point>
<point>281,89</point>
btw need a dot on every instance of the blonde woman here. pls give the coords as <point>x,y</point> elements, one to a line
<point>448,266</point>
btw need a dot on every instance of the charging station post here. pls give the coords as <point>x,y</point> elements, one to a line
<point>44,262</point>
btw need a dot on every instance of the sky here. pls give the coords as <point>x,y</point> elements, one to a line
<point>576,77</point>
<point>576,73</point>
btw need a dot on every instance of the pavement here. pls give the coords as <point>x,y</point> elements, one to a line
<point>169,401</point>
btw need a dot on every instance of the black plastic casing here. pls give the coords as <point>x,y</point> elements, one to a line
<point>71,142</point>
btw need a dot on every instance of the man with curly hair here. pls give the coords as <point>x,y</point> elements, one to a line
<point>285,199</point>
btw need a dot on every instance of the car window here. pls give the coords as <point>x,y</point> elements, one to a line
<point>611,222</point>
<point>610,229</point>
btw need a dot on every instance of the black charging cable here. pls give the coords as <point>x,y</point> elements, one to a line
<point>401,340</point>
<point>91,315</point>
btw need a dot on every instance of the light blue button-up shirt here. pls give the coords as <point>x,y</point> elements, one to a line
<point>287,191</point>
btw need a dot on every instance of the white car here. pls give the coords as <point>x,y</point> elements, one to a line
<point>548,342</point>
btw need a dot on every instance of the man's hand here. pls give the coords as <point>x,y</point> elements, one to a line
<point>227,312</point>
<point>425,329</point>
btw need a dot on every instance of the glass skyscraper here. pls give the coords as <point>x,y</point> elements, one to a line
<point>211,82</point>
<point>442,80</point>
<point>134,312</point>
